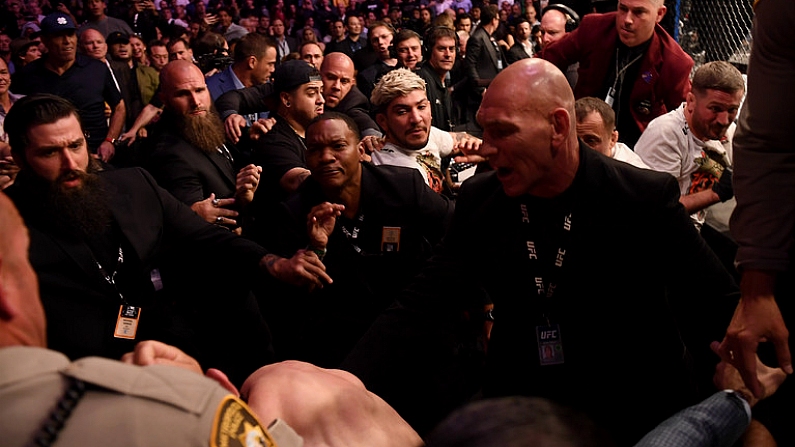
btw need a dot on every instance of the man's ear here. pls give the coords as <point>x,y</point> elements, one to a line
<point>361,150</point>
<point>252,62</point>
<point>561,124</point>
<point>613,138</point>
<point>380,118</point>
<point>690,100</point>
<point>661,13</point>
<point>284,97</point>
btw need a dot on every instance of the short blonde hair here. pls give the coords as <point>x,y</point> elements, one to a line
<point>399,82</point>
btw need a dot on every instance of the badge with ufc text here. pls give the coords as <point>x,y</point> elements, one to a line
<point>127,322</point>
<point>550,345</point>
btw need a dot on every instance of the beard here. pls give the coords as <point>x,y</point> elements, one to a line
<point>81,211</point>
<point>204,131</point>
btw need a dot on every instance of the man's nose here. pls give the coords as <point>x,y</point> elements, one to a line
<point>68,160</point>
<point>487,149</point>
<point>195,101</point>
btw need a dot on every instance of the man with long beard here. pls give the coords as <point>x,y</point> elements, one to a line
<point>100,240</point>
<point>192,161</point>
<point>191,158</point>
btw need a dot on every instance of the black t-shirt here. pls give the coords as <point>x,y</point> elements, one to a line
<point>88,84</point>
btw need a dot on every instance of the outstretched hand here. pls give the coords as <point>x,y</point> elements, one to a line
<point>756,319</point>
<point>320,223</point>
<point>727,377</point>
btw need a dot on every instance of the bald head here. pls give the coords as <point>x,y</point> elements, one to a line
<point>337,61</point>
<point>324,404</point>
<point>93,44</point>
<point>90,33</point>
<point>529,129</point>
<point>534,84</point>
<point>22,321</point>
<point>183,88</point>
<point>176,70</point>
<point>337,71</point>
<point>553,27</point>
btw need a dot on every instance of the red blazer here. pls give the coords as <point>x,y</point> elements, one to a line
<point>664,78</point>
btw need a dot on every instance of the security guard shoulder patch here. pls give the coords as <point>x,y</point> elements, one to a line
<point>235,425</point>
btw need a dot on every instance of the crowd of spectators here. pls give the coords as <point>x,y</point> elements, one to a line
<point>285,181</point>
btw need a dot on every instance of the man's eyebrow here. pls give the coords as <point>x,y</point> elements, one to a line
<point>47,147</point>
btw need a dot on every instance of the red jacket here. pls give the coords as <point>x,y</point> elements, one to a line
<point>664,78</point>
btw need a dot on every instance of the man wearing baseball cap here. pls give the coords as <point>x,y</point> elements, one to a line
<point>85,82</point>
<point>297,98</point>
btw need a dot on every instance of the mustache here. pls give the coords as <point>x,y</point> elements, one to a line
<point>71,175</point>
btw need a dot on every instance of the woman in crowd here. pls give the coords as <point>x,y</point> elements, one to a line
<point>138,50</point>
<point>8,169</point>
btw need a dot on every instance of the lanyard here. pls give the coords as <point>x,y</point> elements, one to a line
<point>223,150</point>
<point>111,278</point>
<point>550,265</point>
<point>353,234</point>
<point>619,80</point>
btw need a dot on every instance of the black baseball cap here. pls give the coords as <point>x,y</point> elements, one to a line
<point>291,74</point>
<point>117,37</point>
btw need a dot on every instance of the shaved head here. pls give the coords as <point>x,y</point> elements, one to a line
<point>553,26</point>
<point>529,129</point>
<point>176,70</point>
<point>338,72</point>
<point>89,33</point>
<point>339,61</point>
<point>532,84</point>
<point>93,44</point>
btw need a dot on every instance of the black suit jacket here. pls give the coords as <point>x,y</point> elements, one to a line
<point>357,106</point>
<point>189,173</point>
<point>482,61</point>
<point>639,290</point>
<point>323,326</point>
<point>82,307</point>
<point>292,45</point>
<point>516,53</point>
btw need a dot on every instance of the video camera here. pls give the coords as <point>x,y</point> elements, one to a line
<point>218,59</point>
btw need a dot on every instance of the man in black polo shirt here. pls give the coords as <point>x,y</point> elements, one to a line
<point>85,82</point>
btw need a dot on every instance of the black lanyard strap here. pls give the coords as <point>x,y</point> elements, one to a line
<point>551,266</point>
<point>111,278</point>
